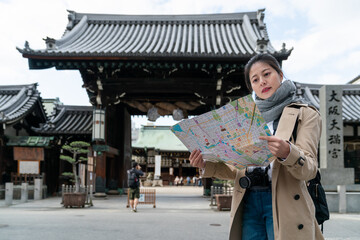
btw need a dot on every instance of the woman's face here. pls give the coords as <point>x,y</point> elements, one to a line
<point>264,79</point>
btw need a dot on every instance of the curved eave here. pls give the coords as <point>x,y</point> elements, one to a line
<point>137,56</point>
<point>35,58</point>
<point>47,130</point>
<point>69,120</point>
<point>18,117</point>
<point>22,106</point>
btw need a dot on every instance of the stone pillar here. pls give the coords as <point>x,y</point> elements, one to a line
<point>341,189</point>
<point>24,192</point>
<point>38,189</point>
<point>62,193</point>
<point>91,195</point>
<point>332,138</point>
<point>9,191</point>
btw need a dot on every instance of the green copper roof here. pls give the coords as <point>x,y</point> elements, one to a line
<point>30,141</point>
<point>159,137</point>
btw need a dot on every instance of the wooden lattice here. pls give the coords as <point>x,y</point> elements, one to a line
<point>149,197</point>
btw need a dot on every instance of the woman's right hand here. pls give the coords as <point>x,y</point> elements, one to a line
<point>196,159</point>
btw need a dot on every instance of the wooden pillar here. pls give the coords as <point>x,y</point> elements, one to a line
<point>112,169</point>
<point>207,182</point>
<point>52,166</point>
<point>100,171</point>
<point>180,168</point>
<point>118,135</point>
<point>125,147</point>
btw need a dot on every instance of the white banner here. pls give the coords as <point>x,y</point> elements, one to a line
<point>157,165</point>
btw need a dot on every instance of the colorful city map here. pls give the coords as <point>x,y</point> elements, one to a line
<point>229,134</point>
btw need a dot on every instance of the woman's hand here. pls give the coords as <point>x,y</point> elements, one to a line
<point>277,146</point>
<point>196,159</point>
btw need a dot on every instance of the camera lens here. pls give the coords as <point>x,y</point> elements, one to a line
<point>245,182</point>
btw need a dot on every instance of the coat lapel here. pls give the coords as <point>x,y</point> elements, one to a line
<point>287,123</point>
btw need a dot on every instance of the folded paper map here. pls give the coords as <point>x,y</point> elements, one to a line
<point>229,134</point>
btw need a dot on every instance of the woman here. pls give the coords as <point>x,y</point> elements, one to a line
<point>176,181</point>
<point>279,207</point>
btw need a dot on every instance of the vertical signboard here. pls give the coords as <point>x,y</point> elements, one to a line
<point>157,166</point>
<point>332,150</point>
<point>332,139</point>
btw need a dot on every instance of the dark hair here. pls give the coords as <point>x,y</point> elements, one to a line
<point>261,57</point>
<point>134,164</point>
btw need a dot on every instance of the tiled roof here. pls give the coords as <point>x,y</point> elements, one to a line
<point>355,80</point>
<point>159,137</point>
<point>350,99</point>
<point>17,101</point>
<point>207,35</point>
<point>68,120</point>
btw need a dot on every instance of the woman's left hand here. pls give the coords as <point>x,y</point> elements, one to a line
<point>277,146</point>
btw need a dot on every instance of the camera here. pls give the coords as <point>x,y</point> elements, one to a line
<point>255,176</point>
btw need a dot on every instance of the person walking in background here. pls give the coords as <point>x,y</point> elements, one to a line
<point>194,180</point>
<point>188,180</point>
<point>279,206</point>
<point>176,181</point>
<point>200,181</point>
<point>181,181</point>
<point>134,175</point>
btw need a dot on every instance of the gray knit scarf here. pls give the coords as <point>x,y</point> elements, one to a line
<point>272,107</point>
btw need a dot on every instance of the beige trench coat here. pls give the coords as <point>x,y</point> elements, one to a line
<point>293,208</point>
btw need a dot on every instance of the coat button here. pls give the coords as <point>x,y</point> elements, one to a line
<point>301,161</point>
<point>300,226</point>
<point>297,197</point>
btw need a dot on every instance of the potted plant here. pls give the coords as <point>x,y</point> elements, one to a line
<point>78,149</point>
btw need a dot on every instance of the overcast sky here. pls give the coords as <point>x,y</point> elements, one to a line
<point>324,33</point>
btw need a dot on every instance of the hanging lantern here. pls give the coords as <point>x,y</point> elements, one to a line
<point>178,114</point>
<point>153,114</point>
<point>98,130</point>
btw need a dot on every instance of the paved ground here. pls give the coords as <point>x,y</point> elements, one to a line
<point>180,213</point>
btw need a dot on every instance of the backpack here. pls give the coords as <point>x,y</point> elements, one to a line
<point>316,192</point>
<point>133,180</point>
<point>318,196</point>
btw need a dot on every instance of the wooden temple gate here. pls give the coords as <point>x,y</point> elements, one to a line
<point>152,65</point>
